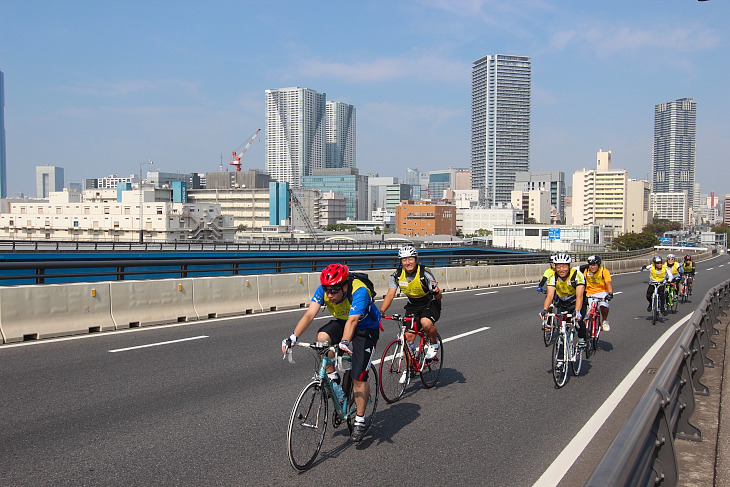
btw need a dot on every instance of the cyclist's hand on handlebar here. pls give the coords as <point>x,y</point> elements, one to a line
<point>543,314</point>
<point>578,316</point>
<point>345,346</point>
<point>287,343</point>
<point>609,297</point>
<point>539,289</point>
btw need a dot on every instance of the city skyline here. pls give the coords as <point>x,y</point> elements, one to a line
<point>174,86</point>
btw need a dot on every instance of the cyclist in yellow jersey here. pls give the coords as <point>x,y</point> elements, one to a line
<point>550,272</point>
<point>599,285</point>
<point>569,286</point>
<point>658,273</point>
<point>689,270</point>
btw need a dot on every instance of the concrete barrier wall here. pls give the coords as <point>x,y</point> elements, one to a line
<point>500,275</point>
<point>439,273</point>
<point>282,291</point>
<point>458,278</point>
<point>381,280</point>
<point>222,296</point>
<point>517,274</point>
<point>534,272</point>
<point>138,303</point>
<point>480,276</point>
<point>42,311</point>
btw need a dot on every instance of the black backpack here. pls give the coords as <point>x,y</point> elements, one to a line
<point>361,276</point>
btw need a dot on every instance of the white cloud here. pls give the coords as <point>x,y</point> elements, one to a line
<point>127,87</point>
<point>386,69</point>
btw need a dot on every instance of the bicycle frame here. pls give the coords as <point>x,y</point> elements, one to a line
<point>594,311</point>
<point>411,355</point>
<point>655,301</point>
<point>565,350</point>
<point>323,349</point>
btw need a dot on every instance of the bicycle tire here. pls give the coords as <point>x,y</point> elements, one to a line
<point>547,331</point>
<point>307,426</point>
<point>577,353</point>
<point>372,405</point>
<point>560,365</point>
<point>392,365</point>
<point>654,310</point>
<point>431,369</point>
<point>590,323</point>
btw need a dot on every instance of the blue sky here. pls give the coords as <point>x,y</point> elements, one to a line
<point>98,87</point>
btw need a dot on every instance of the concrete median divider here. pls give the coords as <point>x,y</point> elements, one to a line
<point>458,278</point>
<point>43,311</point>
<point>480,276</point>
<point>381,280</point>
<point>534,272</point>
<point>138,303</point>
<point>500,275</point>
<point>282,291</point>
<point>224,296</point>
<point>439,273</point>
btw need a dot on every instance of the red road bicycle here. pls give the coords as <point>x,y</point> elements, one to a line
<point>594,323</point>
<point>405,356</point>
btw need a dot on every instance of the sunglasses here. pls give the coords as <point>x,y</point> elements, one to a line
<point>332,289</point>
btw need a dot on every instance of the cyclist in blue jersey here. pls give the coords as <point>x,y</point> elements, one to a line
<point>356,327</point>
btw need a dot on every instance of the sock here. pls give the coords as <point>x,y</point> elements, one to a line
<point>359,419</point>
<point>334,376</point>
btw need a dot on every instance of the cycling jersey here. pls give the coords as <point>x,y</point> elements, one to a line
<point>417,286</point>
<point>689,267</point>
<point>550,272</point>
<point>566,289</point>
<point>661,274</point>
<point>596,283</point>
<point>674,269</point>
<point>358,302</point>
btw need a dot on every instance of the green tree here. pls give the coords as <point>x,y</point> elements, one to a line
<point>376,231</point>
<point>635,241</point>
<point>723,228</point>
<point>659,226</point>
<point>241,228</point>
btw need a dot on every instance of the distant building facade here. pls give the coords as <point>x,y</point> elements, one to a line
<point>418,218</point>
<point>3,152</point>
<point>341,135</point>
<point>47,179</point>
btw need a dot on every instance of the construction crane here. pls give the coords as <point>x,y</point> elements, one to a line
<point>310,228</point>
<point>236,161</point>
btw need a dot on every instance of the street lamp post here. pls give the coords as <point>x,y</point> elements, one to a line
<point>141,199</point>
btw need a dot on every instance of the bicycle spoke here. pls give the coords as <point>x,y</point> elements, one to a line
<point>392,366</point>
<point>307,426</point>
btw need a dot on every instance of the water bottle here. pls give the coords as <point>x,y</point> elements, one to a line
<point>339,393</point>
<point>413,347</point>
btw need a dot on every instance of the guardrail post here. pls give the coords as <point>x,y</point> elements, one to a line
<point>697,363</point>
<point>686,401</point>
<point>666,470</point>
<point>705,342</point>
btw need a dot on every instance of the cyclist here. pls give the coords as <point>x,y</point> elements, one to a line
<point>419,285</point>
<point>676,271</point>
<point>356,327</point>
<point>689,270</point>
<point>599,285</point>
<point>550,272</point>
<point>658,273</point>
<point>569,285</point>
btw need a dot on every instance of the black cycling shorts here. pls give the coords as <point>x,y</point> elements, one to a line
<point>362,345</point>
<point>432,311</point>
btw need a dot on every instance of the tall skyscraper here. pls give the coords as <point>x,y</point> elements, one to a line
<point>3,172</point>
<point>47,179</point>
<point>500,124</point>
<point>341,135</point>
<point>675,148</point>
<point>295,133</point>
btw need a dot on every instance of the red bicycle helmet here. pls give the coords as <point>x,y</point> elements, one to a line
<point>334,274</point>
<point>687,257</point>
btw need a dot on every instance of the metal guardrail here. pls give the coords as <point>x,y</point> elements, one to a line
<point>642,453</point>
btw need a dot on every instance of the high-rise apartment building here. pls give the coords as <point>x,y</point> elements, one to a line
<point>3,172</point>
<point>295,133</point>
<point>554,182</point>
<point>500,124</point>
<point>675,147</point>
<point>47,179</point>
<point>341,135</point>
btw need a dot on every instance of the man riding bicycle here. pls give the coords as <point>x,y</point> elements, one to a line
<point>550,272</point>
<point>356,327</point>
<point>676,271</point>
<point>660,275</point>
<point>569,285</point>
<point>418,284</point>
<point>689,271</point>
<point>598,285</point>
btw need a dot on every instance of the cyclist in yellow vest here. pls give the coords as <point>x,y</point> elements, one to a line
<point>549,272</point>
<point>419,285</point>
<point>658,273</point>
<point>676,271</point>
<point>569,285</point>
<point>689,270</point>
<point>599,285</point>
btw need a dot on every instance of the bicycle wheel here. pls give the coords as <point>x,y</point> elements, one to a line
<point>392,365</point>
<point>431,369</point>
<point>547,330</point>
<point>654,310</point>
<point>577,355</point>
<point>372,404</point>
<point>560,365</point>
<point>590,331</point>
<point>307,426</point>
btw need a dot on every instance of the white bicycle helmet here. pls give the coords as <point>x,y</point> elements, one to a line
<point>562,259</point>
<point>552,259</point>
<point>671,257</point>
<point>407,251</point>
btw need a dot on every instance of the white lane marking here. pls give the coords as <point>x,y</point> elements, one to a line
<point>529,287</point>
<point>488,292</point>
<point>560,466</point>
<point>157,344</point>
<point>455,337</point>
<point>709,268</point>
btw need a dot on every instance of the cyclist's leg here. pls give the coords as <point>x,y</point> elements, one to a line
<point>649,294</point>
<point>331,332</point>
<point>363,350</point>
<point>429,317</point>
<point>662,296</point>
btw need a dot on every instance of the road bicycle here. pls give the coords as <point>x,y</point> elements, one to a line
<point>403,355</point>
<point>566,350</point>
<point>549,326</point>
<point>594,324</point>
<point>655,302</point>
<point>684,288</point>
<point>308,420</point>
<point>672,298</point>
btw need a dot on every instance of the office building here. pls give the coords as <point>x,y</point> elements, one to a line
<point>553,182</point>
<point>295,134</point>
<point>535,203</point>
<point>3,163</point>
<point>675,147</point>
<point>444,179</point>
<point>345,181</point>
<point>671,206</point>
<point>47,179</point>
<point>419,218</point>
<point>500,125</point>
<point>638,205</point>
<point>341,135</point>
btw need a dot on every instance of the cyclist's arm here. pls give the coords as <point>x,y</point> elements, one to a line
<point>387,300</point>
<point>308,317</point>
<point>549,297</point>
<point>580,292</point>
<point>350,327</point>
<point>609,286</point>
<point>542,281</point>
